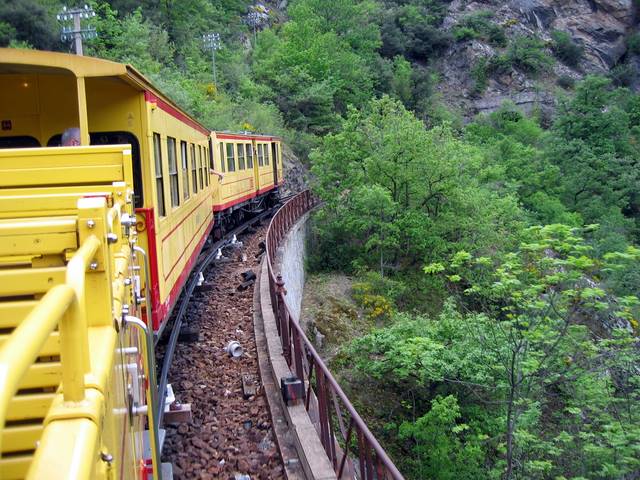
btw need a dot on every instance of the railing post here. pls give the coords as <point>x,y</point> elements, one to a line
<point>282,317</point>
<point>297,357</point>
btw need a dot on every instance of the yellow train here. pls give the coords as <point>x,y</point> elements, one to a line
<point>96,243</point>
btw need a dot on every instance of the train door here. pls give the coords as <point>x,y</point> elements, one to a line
<point>274,162</point>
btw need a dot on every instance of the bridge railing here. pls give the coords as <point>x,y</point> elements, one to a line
<point>343,433</point>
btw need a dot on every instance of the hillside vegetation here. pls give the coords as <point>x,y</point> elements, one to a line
<point>495,255</point>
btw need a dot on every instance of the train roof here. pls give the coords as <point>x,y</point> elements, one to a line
<point>229,135</point>
<point>22,61</point>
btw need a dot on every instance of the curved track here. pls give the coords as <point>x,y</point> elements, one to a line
<point>231,434</point>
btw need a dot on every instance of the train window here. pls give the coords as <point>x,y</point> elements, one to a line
<point>173,172</point>
<point>185,168</point>
<point>205,165</point>
<point>249,149</point>
<point>240,157</point>
<point>266,154</point>
<point>231,162</point>
<point>194,170</point>
<point>222,165</point>
<point>157,155</point>
<point>19,142</point>
<point>260,156</point>
<point>200,167</point>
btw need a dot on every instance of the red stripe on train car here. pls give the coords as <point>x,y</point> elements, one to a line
<point>160,310</point>
<point>266,189</point>
<point>187,246</point>
<point>168,304</point>
<point>231,136</point>
<point>171,110</point>
<point>224,206</point>
<point>183,220</point>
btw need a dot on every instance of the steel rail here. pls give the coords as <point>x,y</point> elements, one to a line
<point>297,348</point>
<point>187,291</point>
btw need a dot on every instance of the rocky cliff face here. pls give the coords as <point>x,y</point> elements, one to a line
<point>601,27</point>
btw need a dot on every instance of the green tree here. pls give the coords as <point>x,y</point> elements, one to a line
<point>429,178</point>
<point>32,22</point>
<point>442,449</point>
<point>545,303</point>
<point>594,143</point>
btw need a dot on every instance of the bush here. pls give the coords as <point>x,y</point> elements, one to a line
<point>566,82</point>
<point>568,51</point>
<point>461,34</point>
<point>622,75</point>
<point>633,44</point>
<point>480,76</point>
<point>527,54</point>
<point>479,25</point>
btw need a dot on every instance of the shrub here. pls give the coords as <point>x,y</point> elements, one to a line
<point>480,76</point>
<point>566,82</point>
<point>479,25</point>
<point>622,75</point>
<point>633,44</point>
<point>460,34</point>
<point>527,54</point>
<point>568,51</point>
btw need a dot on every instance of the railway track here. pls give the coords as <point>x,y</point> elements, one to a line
<point>231,434</point>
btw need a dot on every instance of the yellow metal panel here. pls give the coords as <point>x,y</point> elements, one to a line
<point>35,226</point>
<point>39,201</point>
<point>51,346</point>
<point>43,244</point>
<point>83,123</point>
<point>61,62</point>
<point>32,405</point>
<point>92,407</point>
<point>46,374</point>
<point>102,343</point>
<point>26,281</point>
<point>61,175</point>
<point>15,467</point>
<point>20,438</point>
<point>12,313</point>
<point>68,449</point>
<point>17,166</point>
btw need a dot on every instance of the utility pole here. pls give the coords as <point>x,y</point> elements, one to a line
<point>253,19</point>
<point>211,41</point>
<point>75,32</point>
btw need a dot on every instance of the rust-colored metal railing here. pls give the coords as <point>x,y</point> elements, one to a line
<point>327,404</point>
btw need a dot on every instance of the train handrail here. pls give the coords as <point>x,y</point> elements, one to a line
<point>62,306</point>
<point>149,367</point>
<point>303,359</point>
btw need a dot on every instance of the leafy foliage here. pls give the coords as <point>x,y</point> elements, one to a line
<point>403,189</point>
<point>566,49</point>
<point>479,25</point>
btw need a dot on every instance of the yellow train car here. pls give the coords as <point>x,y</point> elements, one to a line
<point>91,237</point>
<point>252,169</point>
<point>43,93</point>
<point>74,356</point>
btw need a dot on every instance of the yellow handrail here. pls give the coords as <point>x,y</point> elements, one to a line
<point>62,302</point>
